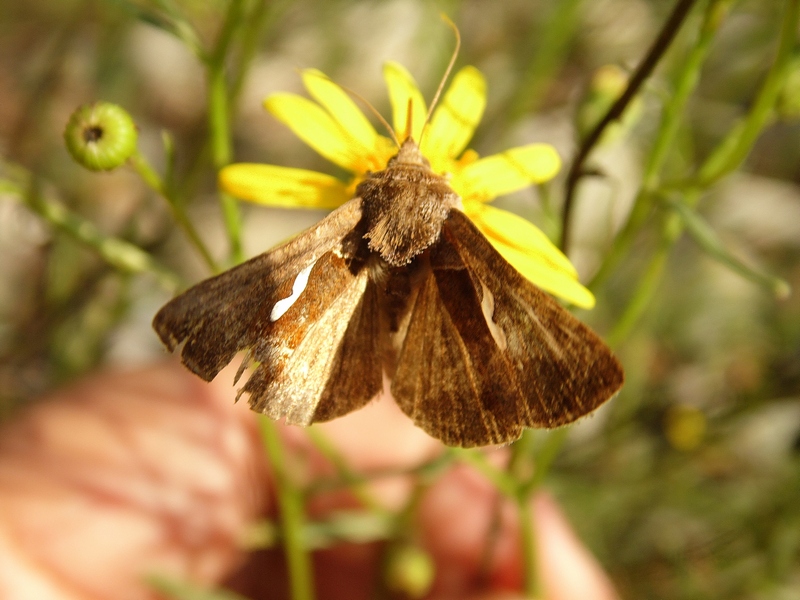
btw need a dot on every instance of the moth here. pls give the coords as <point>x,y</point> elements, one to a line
<point>397,282</point>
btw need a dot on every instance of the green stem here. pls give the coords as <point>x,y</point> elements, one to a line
<point>118,253</point>
<point>430,469</point>
<point>177,589</point>
<point>556,31</point>
<point>528,467</point>
<point>219,118</point>
<point>527,527</point>
<point>290,500</point>
<point>175,23</point>
<point>739,141</point>
<point>501,480</point>
<point>545,455</point>
<point>520,465</point>
<point>348,477</point>
<point>669,126</point>
<point>154,182</point>
<point>645,290</point>
<point>727,156</point>
<point>257,23</point>
<point>521,468</point>
<point>707,238</point>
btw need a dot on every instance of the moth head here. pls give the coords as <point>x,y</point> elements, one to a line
<point>409,154</point>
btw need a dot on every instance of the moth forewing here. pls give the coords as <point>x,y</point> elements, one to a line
<point>356,374</point>
<point>304,360</point>
<point>213,320</point>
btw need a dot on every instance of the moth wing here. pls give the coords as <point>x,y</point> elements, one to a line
<point>321,359</point>
<point>306,352</point>
<point>487,353</point>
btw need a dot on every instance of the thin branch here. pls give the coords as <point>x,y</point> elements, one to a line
<point>643,71</point>
<point>686,80</point>
<point>728,155</point>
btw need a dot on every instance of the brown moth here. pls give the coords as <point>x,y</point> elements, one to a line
<point>395,282</point>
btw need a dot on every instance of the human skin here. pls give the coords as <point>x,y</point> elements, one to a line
<point>152,471</point>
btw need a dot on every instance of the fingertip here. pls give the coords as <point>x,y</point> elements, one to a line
<point>568,570</point>
<point>463,512</point>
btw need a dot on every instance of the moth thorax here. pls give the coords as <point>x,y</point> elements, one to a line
<point>405,206</point>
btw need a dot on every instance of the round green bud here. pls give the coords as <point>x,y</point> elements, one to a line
<point>101,136</point>
<point>410,570</point>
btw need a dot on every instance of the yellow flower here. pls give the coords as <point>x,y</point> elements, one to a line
<point>334,126</point>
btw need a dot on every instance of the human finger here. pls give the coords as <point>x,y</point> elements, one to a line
<point>122,476</point>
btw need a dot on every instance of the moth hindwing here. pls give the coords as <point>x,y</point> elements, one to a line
<point>395,282</point>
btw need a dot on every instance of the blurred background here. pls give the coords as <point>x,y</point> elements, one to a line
<point>687,485</point>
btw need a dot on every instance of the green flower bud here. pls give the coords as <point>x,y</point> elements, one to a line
<point>101,136</point>
<point>410,570</point>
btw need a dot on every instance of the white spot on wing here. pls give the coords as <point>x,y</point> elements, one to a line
<point>487,307</point>
<point>300,283</point>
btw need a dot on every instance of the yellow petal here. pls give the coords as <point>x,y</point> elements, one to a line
<point>518,231</point>
<point>530,252</point>
<point>402,90</point>
<point>312,124</point>
<point>455,119</point>
<point>282,186</point>
<point>554,282</point>
<point>507,172</point>
<point>342,108</point>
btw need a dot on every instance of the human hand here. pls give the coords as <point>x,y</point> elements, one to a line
<point>124,475</point>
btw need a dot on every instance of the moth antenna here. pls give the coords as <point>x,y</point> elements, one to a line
<point>409,119</point>
<point>447,72</point>
<point>374,111</point>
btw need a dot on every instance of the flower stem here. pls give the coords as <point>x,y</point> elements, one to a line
<point>117,252</point>
<point>257,22</point>
<point>520,469</point>
<point>219,117</point>
<point>290,500</point>
<point>348,477</point>
<point>527,527</point>
<point>154,182</point>
<point>501,480</point>
<point>646,289</point>
<point>546,453</point>
<point>708,240</point>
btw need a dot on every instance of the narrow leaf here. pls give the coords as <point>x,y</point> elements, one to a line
<point>708,240</point>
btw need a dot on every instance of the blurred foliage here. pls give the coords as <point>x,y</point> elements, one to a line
<point>687,484</point>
